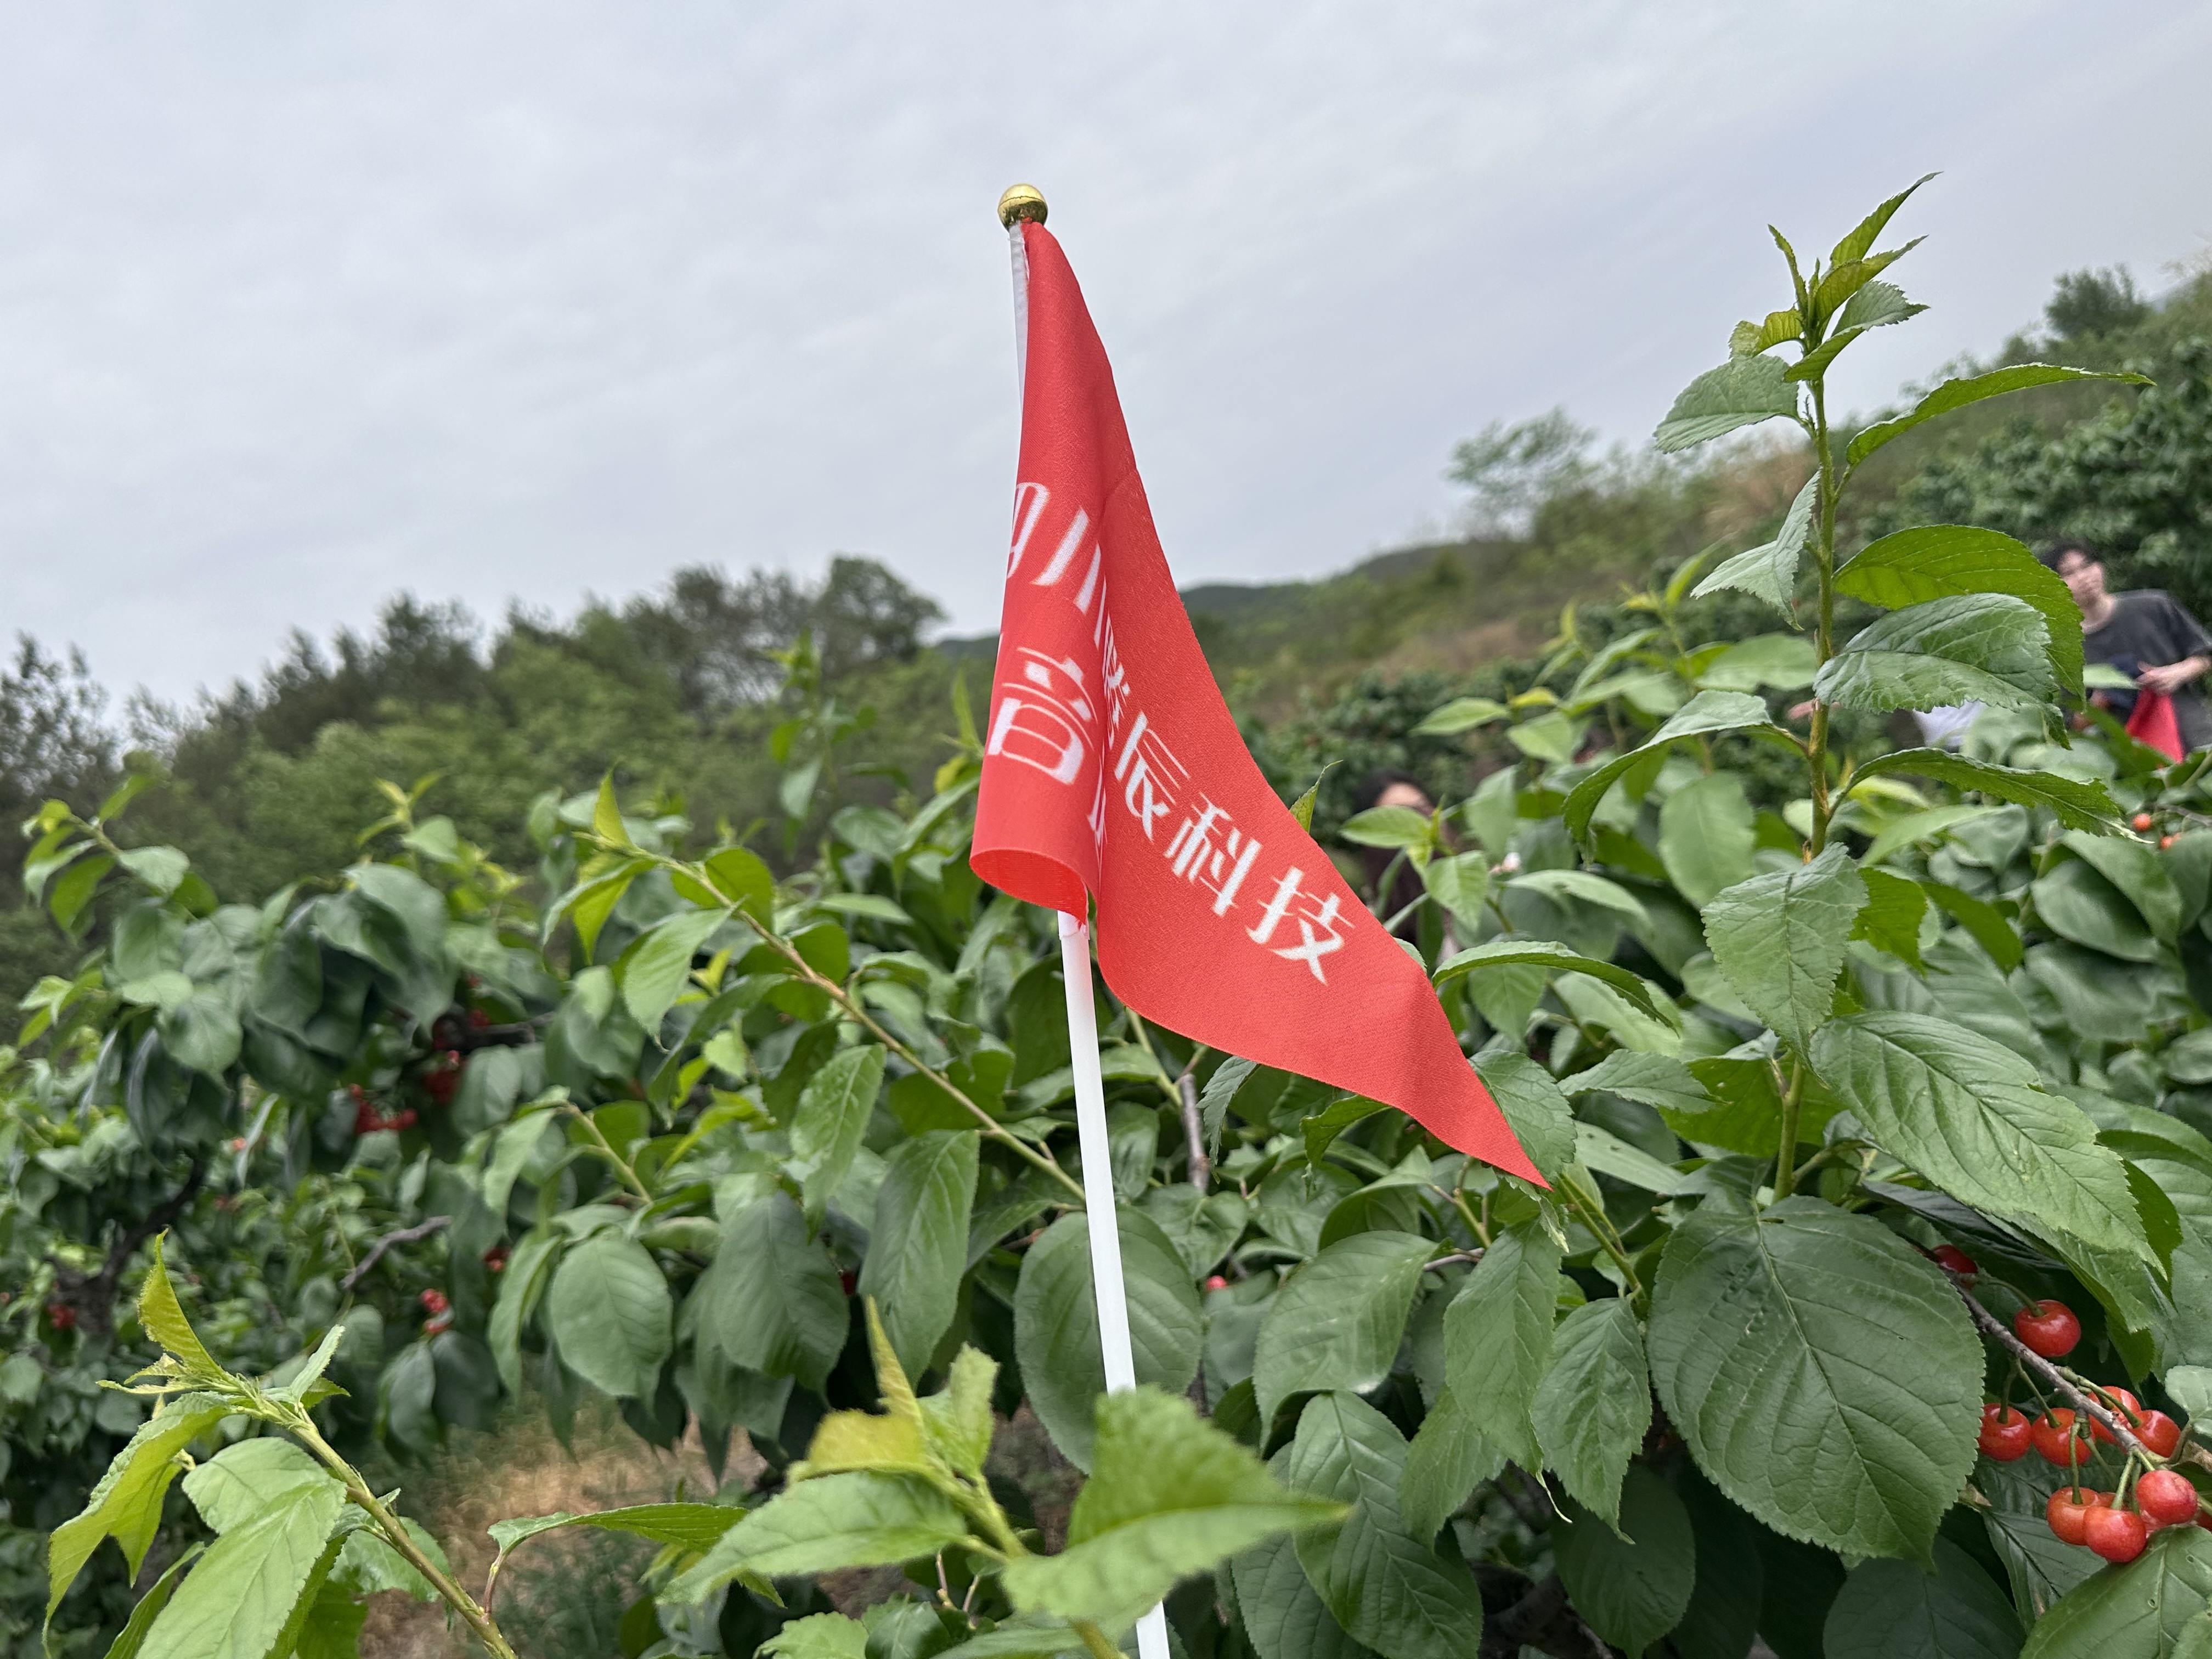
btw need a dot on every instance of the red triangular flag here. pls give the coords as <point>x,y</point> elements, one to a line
<point>2153,724</point>
<point>1113,769</point>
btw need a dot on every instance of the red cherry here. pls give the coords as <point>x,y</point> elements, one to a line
<point>2060,1439</point>
<point>2159,1434</point>
<point>365,1122</point>
<point>479,1020</point>
<point>2164,841</point>
<point>2122,1405</point>
<point>61,1316</point>
<point>2049,1329</point>
<point>1956,1262</point>
<point>494,1259</point>
<point>1217,1283</point>
<point>404,1119</point>
<point>849,1280</point>
<point>432,1326</point>
<point>2166,1498</point>
<point>356,1091</point>
<point>2067,1510</point>
<point>2006,1433</point>
<point>433,1301</point>
<point>2116,1534</point>
<point>2144,820</point>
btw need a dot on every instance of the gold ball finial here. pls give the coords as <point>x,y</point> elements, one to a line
<point>1021,202</point>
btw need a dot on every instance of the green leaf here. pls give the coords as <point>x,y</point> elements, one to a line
<point>1979,647</point>
<point>770,1301</point>
<point>1631,1583</point>
<point>1057,1323</point>
<point>1536,1109</point>
<point>740,876</point>
<point>1169,1496</point>
<point>1983,922</point>
<point>1709,711</point>
<point>1748,338</point>
<point>1389,826</point>
<point>1878,305</point>
<point>1553,958</point>
<point>1706,837</point>
<point>1781,940</point>
<point>1856,246</point>
<point>1769,572</point>
<point>688,1526</point>
<point>1971,1116</point>
<point>607,815</point>
<point>1283,1614</point>
<point>1895,1610</point>
<point>2078,804</point>
<point>2140,873</point>
<point>833,1112</point>
<point>243,1479</point>
<point>819,1636</point>
<point>2073,901</point>
<point>1741,391</point>
<point>126,1504</point>
<point>918,1247</point>
<point>1805,1339</point>
<point>1461,715</point>
<point>133,1637</point>
<point>1655,1079</point>
<point>1593,1407</point>
<point>1891,920</point>
<point>1337,1322</point>
<point>656,965</point>
<point>1385,1587</point>
<point>608,1309</point>
<point>1777,662</point>
<point>239,1602</point>
<point>163,1317</point>
<point>2135,1612</point>
<point>1321,1130</point>
<point>1957,394</point>
<point>1447,1459</point>
<point>1460,883</point>
<point>1935,562</point>
<point>160,867</point>
<point>957,1424</point>
<point>1497,1337</point>
<point>860,1519</point>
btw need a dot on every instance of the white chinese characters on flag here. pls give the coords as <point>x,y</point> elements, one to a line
<point>1112,770</point>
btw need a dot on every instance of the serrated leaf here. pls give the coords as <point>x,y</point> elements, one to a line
<point>607,815</point>
<point>1709,711</point>
<point>1447,1459</point>
<point>1972,1116</point>
<point>1656,1080</point>
<point>133,1637</point>
<point>1804,1338</point>
<point>862,1519</point>
<point>1769,572</point>
<point>1281,1611</point>
<point>1979,647</point>
<point>126,1503</point>
<point>1593,1407</point>
<point>1515,951</point>
<point>163,1317</point>
<point>1743,392</point>
<point>243,1479</point>
<point>239,1602</point>
<point>1460,883</point>
<point>1534,1107</point>
<point>1169,1496</point>
<point>1878,305</point>
<point>1860,240</point>
<point>918,1247</point>
<point>1385,1587</point>
<point>1934,561</point>
<point>608,1308</point>
<point>656,965</point>
<point>834,1108</point>
<point>1896,1610</point>
<point>1057,1323</point>
<point>2139,1611</point>
<point>1748,338</point>
<point>1957,393</point>
<point>957,1421</point>
<point>1631,1584</point>
<point>819,1636</point>
<point>1339,1319</point>
<point>1891,920</point>
<point>1781,940</point>
<point>770,1301</point>
<point>1706,838</point>
<point>688,1526</point>
<point>1497,1337</point>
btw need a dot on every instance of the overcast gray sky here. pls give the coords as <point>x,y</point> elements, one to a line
<point>302,305</point>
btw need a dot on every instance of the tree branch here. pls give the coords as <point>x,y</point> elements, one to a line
<point>1193,1129</point>
<point>415,1234</point>
<point>92,1295</point>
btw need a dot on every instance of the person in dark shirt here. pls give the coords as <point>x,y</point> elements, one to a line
<point>2145,634</point>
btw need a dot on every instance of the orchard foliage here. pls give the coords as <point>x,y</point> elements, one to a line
<point>1869,1095</point>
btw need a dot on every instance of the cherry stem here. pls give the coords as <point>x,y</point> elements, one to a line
<point>2061,1384</point>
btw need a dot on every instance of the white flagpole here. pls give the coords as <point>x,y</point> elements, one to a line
<point>1098,1200</point>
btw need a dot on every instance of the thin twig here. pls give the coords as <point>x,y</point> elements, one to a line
<point>1468,1256</point>
<point>1193,1127</point>
<point>605,1149</point>
<point>414,1234</point>
<point>2056,1376</point>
